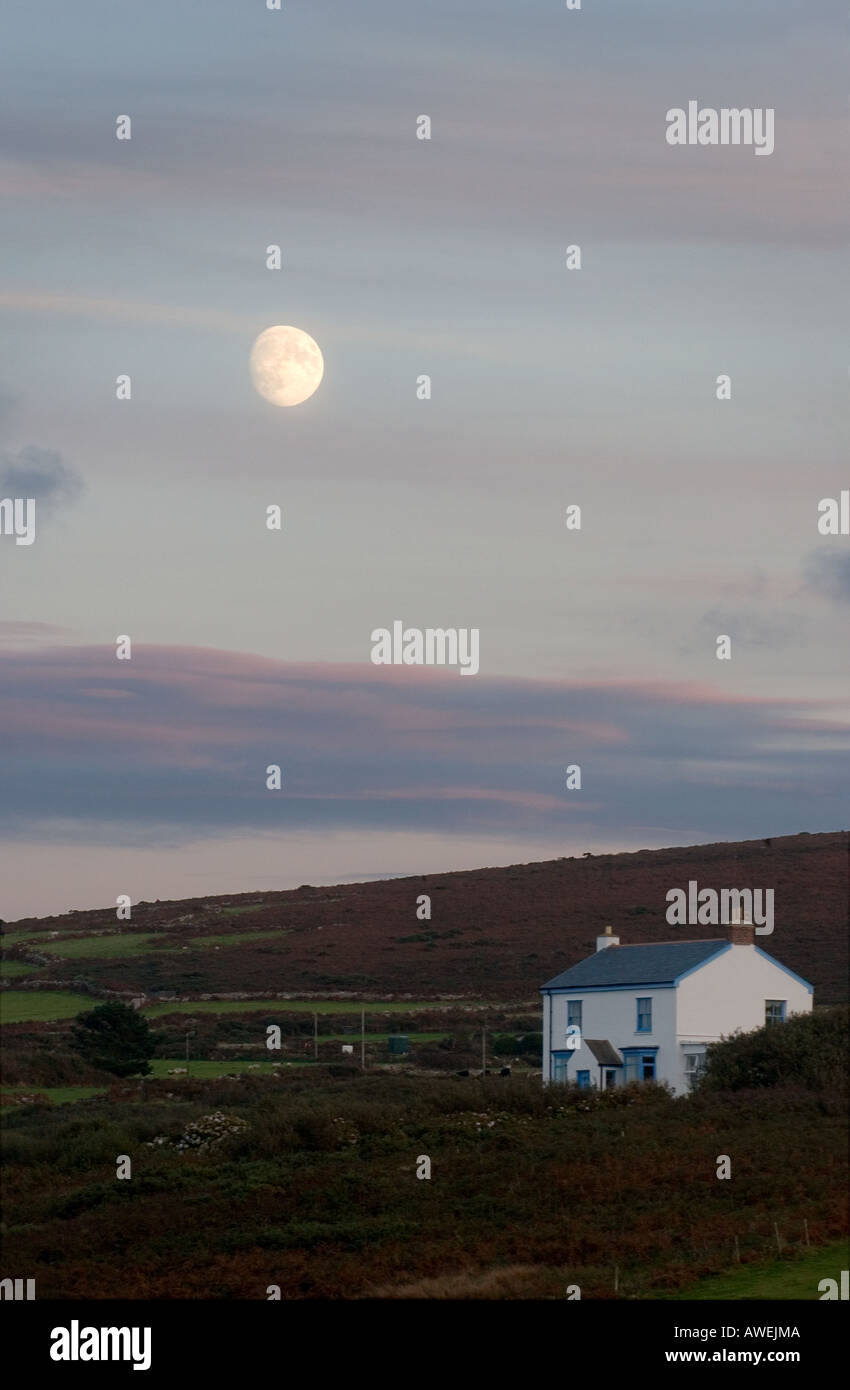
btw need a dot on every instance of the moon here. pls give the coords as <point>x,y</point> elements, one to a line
<point>286,365</point>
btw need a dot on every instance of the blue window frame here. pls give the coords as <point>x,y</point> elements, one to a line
<point>639,1063</point>
<point>644,1015</point>
<point>559,1065</point>
<point>574,1013</point>
<point>774,1010</point>
<point>583,1079</point>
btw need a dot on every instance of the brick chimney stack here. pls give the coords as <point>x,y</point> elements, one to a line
<point>741,932</point>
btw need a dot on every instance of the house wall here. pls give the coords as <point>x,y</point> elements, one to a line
<point>728,994</point>
<point>612,1014</point>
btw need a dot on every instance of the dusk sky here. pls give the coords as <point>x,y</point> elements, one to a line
<point>550,387</point>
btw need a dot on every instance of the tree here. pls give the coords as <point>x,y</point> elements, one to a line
<point>114,1038</point>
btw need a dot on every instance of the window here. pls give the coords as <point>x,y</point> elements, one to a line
<point>559,1066</point>
<point>639,1064</point>
<point>574,1013</point>
<point>644,1015</point>
<point>583,1079</point>
<point>774,1010</point>
<point>694,1063</point>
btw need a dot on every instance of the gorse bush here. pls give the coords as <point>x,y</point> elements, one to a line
<point>809,1050</point>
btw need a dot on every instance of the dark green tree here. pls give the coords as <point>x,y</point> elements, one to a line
<point>114,1038</point>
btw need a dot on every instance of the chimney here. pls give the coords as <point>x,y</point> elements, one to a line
<point>609,939</point>
<point>740,931</point>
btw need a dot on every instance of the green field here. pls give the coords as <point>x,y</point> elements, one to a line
<point>134,943</point>
<point>235,938</point>
<point>290,1006</point>
<point>8,968</point>
<point>20,1006</point>
<point>795,1277</point>
<point>160,1067</point>
<point>121,944</point>
<point>41,1005</point>
<point>57,1095</point>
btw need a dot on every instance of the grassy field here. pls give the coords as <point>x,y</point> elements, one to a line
<point>236,938</point>
<point>41,1005</point>
<point>8,968</point>
<point>121,944</point>
<point>307,1006</point>
<point>160,1066</point>
<point>57,1095</point>
<point>132,943</point>
<point>14,938</point>
<point>797,1276</point>
<point>20,1006</point>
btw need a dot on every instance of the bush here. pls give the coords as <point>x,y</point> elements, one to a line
<point>810,1050</point>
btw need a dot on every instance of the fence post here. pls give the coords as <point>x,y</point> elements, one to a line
<point>778,1241</point>
<point>616,1279</point>
<point>737,1250</point>
<point>806,1229</point>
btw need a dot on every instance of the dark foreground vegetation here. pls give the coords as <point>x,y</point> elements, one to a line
<point>308,1180</point>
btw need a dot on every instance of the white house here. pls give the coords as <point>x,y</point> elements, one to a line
<point>647,1013</point>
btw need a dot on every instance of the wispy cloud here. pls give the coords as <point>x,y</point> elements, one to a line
<point>176,742</point>
<point>42,474</point>
<point>827,572</point>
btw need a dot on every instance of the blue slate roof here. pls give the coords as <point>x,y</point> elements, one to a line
<point>657,963</point>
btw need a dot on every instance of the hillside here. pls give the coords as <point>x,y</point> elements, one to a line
<point>494,933</point>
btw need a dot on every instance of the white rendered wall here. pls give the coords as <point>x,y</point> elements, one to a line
<point>612,1014</point>
<point>728,994</point>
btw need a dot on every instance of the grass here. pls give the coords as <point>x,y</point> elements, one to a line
<point>41,1005</point>
<point>121,944</point>
<point>290,1006</point>
<point>235,938</point>
<point>33,1006</point>
<point>8,968</point>
<point>14,938</point>
<point>203,1070</point>
<point>57,1095</point>
<point>138,943</point>
<point>794,1277</point>
<point>375,1037</point>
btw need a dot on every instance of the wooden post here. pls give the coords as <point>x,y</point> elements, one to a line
<point>737,1251</point>
<point>483,1051</point>
<point>806,1229</point>
<point>616,1279</point>
<point>315,1037</point>
<point>363,1039</point>
<point>778,1241</point>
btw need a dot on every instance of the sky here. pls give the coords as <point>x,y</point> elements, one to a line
<point>550,387</point>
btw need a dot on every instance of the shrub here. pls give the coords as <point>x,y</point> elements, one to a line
<point>810,1050</point>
